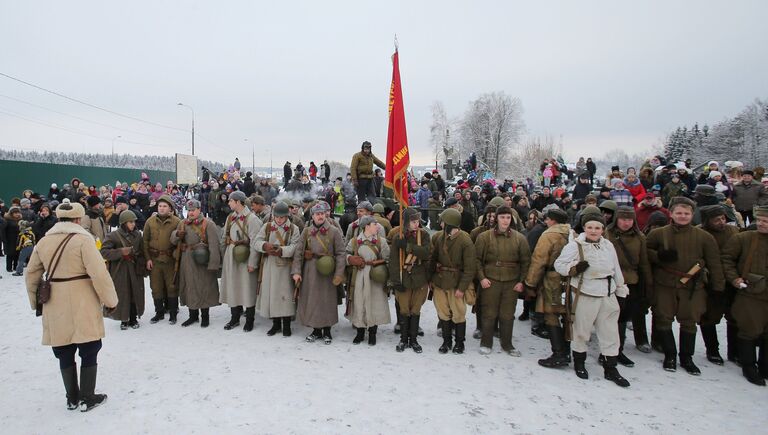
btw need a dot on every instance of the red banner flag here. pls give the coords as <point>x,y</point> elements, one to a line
<point>397,141</point>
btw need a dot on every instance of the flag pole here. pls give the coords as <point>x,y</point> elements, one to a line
<point>402,253</point>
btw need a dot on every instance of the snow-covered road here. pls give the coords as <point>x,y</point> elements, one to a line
<point>168,379</point>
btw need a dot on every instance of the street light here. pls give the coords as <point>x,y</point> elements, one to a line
<point>193,125</point>
<point>113,149</point>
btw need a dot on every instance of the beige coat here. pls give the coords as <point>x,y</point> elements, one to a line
<point>198,284</point>
<point>276,288</point>
<point>74,312</point>
<point>238,286</point>
<point>95,225</point>
<point>369,306</point>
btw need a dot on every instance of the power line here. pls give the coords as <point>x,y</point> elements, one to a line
<point>89,104</point>
<point>73,131</point>
<point>79,118</point>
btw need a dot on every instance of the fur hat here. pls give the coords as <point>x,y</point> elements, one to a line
<point>681,200</point>
<point>589,217</point>
<point>365,205</point>
<point>760,210</point>
<point>625,212</point>
<point>557,215</point>
<point>93,201</point>
<point>705,190</point>
<point>193,204</point>
<point>236,195</point>
<point>320,207</point>
<point>713,174</point>
<point>70,210</point>
<point>710,211</point>
<point>366,220</point>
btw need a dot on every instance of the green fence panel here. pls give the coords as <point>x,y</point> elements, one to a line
<point>15,177</point>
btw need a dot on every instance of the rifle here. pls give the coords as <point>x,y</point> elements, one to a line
<point>177,260</point>
<point>568,327</point>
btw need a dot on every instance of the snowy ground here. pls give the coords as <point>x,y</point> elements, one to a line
<point>168,379</point>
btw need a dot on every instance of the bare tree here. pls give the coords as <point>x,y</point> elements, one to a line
<point>528,157</point>
<point>492,127</point>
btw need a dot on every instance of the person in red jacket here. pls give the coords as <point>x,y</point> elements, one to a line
<point>632,183</point>
<point>646,207</point>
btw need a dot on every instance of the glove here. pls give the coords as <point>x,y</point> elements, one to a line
<point>308,255</point>
<point>180,234</point>
<point>268,247</point>
<point>530,292</point>
<point>356,260</point>
<point>581,266</point>
<point>277,252</point>
<point>667,255</point>
<point>401,243</point>
<point>337,280</point>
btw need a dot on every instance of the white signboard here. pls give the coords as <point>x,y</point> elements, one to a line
<point>186,169</point>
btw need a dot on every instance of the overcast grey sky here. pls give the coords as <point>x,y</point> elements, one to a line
<point>308,80</point>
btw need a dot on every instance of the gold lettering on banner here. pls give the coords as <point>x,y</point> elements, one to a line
<point>391,97</point>
<point>400,155</point>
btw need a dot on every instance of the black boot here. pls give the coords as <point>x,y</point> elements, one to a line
<point>123,326</point>
<point>159,311</point>
<point>447,329</point>
<point>747,357</point>
<point>327,339</point>
<point>234,322</point>
<point>206,319</point>
<point>709,334</point>
<point>194,317</point>
<point>360,336</point>
<point>687,347</point>
<point>559,357</point>
<point>526,314</point>
<point>133,322</point>
<point>69,376</point>
<point>657,341</point>
<point>372,335</point>
<point>404,331</point>
<point>622,359</point>
<point>413,332</point>
<point>538,328</point>
<point>88,398</point>
<point>762,361</point>
<point>399,324</point>
<point>173,309</point>
<point>667,342</point>
<point>733,341</point>
<point>315,335</point>
<point>250,316</point>
<point>640,332</point>
<point>611,374</point>
<point>579,358</point>
<point>277,326</point>
<point>286,326</point>
<point>461,333</point>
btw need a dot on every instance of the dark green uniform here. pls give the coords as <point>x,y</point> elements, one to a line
<point>719,305</point>
<point>453,265</point>
<point>673,299</point>
<point>411,284</point>
<point>633,258</point>
<point>750,306</point>
<point>673,250</point>
<point>158,248</point>
<point>502,258</point>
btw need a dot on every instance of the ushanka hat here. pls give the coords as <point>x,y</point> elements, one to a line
<point>70,210</point>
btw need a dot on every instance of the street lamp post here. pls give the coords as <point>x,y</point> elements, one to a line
<point>113,149</point>
<point>193,125</point>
